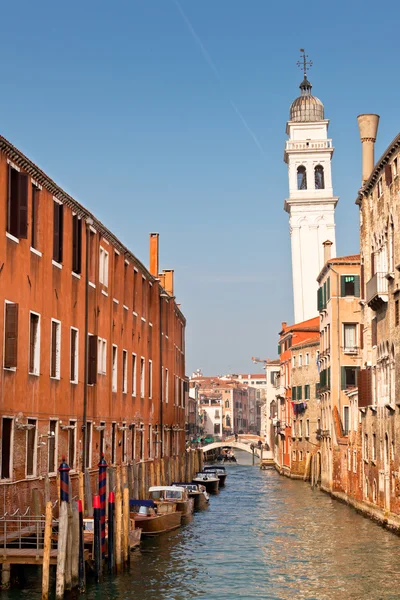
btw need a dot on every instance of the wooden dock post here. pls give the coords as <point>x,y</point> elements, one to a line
<point>68,557</point>
<point>151,474</point>
<point>82,491</point>
<point>62,547</point>
<point>126,524</point>
<point>46,552</point>
<point>5,576</point>
<point>81,565</point>
<point>118,529</point>
<point>75,545</point>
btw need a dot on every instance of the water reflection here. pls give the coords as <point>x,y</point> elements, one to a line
<point>264,536</point>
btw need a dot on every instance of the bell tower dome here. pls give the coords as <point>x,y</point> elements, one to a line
<point>311,203</point>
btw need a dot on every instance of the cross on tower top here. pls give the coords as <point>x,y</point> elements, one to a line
<point>303,63</point>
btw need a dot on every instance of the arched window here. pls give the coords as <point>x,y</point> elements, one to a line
<point>301,178</point>
<point>226,403</point>
<point>319,177</point>
<point>228,421</point>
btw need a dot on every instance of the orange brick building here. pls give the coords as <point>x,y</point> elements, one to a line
<point>93,343</point>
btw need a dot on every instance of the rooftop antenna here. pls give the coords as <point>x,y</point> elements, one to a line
<point>303,63</point>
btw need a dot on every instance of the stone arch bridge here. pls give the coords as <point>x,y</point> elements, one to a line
<point>264,454</point>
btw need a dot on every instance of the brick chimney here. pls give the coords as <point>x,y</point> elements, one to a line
<point>327,250</point>
<point>169,281</point>
<point>368,126</point>
<point>154,254</point>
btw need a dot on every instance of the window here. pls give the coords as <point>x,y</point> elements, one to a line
<point>350,337</point>
<point>142,377</point>
<point>6,447</point>
<point>307,359</point>
<point>144,297</point>
<point>374,447</point>
<point>301,178</point>
<point>396,312</point>
<point>102,437</point>
<point>301,428</point>
<point>141,441</point>
<point>217,428</point>
<point>76,244</point>
<point>31,448</point>
<point>366,446</point>
<point>116,275</point>
<point>101,356</point>
<point>134,301</point>
<point>294,455</point>
<point>88,440</point>
<point>10,335</point>
<point>17,203</point>
<point>92,255</point>
<point>294,396</point>
<point>349,377</point>
<point>58,218</point>
<point>346,420</point>
<point>34,344</point>
<point>150,436</point>
<point>293,362</point>
<point>34,216</point>
<point>114,368</point>
<point>300,360</point>
<point>150,378</point>
<point>348,459</point>
<point>307,392</point>
<point>126,271</point>
<point>166,386</point>
<point>74,355</point>
<point>133,441</point>
<point>395,169</point>
<point>52,467</point>
<point>92,360</point>
<point>103,267</point>
<point>124,371</point>
<point>133,374</point>
<point>55,349</point>
<point>226,403</point>
<point>72,445</point>
<point>379,187</point>
<point>308,428</point>
<point>355,460</point>
<point>319,177</point>
<point>124,457</point>
<point>350,285</point>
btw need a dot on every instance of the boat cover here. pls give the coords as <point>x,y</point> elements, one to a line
<point>149,503</point>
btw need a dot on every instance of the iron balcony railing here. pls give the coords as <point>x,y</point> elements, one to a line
<point>377,289</point>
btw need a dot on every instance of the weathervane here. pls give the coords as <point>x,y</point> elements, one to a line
<point>303,63</point>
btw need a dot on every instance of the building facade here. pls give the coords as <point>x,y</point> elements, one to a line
<point>93,342</point>
<point>311,202</point>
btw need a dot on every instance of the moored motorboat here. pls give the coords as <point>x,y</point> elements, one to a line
<point>155,518</point>
<point>175,495</point>
<point>219,471</point>
<point>210,481</point>
<point>197,492</point>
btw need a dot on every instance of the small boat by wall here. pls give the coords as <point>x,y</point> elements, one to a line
<point>175,495</point>
<point>219,471</point>
<point>153,518</point>
<point>198,493</point>
<point>210,482</point>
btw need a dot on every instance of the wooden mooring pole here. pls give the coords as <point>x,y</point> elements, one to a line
<point>46,551</point>
<point>62,548</point>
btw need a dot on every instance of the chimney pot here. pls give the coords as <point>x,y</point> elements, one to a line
<point>368,126</point>
<point>154,254</point>
<point>327,250</point>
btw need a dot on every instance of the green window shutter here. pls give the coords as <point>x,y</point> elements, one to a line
<point>306,392</point>
<point>279,349</point>
<point>319,299</point>
<point>343,369</point>
<point>342,285</point>
<point>294,393</point>
<point>299,392</point>
<point>329,377</point>
<point>357,286</point>
<point>328,287</point>
<point>316,390</point>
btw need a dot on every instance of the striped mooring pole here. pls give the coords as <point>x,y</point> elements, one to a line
<point>102,493</point>
<point>64,480</point>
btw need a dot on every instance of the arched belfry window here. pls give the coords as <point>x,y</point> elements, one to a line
<point>226,403</point>
<point>301,178</point>
<point>319,177</point>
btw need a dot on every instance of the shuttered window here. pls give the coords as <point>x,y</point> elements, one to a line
<point>17,203</point>
<point>76,244</point>
<point>388,174</point>
<point>74,355</point>
<point>350,285</point>
<point>294,395</point>
<point>58,232</point>
<point>6,447</point>
<point>114,368</point>
<point>34,216</point>
<point>124,371</point>
<point>349,377</point>
<point>306,392</point>
<point>328,289</point>
<point>92,359</point>
<point>31,447</point>
<point>374,332</point>
<point>11,336</point>
<point>55,349</point>
<point>299,392</point>
<point>34,344</point>
<point>320,302</point>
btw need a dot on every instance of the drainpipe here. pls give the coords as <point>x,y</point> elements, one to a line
<point>89,222</point>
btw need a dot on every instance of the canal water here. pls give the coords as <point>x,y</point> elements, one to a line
<point>263,536</point>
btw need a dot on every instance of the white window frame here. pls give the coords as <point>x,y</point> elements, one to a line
<point>307,428</point>
<point>300,360</point>
<point>166,384</point>
<point>89,454</point>
<point>134,374</point>
<point>55,446</point>
<point>142,376</point>
<point>350,350</point>
<point>124,371</point>
<point>307,359</point>
<point>72,422</point>
<point>103,266</point>
<point>114,368</point>
<point>76,357</point>
<point>58,352</point>
<point>293,362</point>
<point>36,353</point>
<point>150,379</point>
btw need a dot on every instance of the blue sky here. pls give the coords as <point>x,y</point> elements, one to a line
<point>154,131</point>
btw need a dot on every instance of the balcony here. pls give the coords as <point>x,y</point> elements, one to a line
<point>377,291</point>
<point>310,145</point>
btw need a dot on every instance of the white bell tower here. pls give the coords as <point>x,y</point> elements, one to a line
<point>311,203</point>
